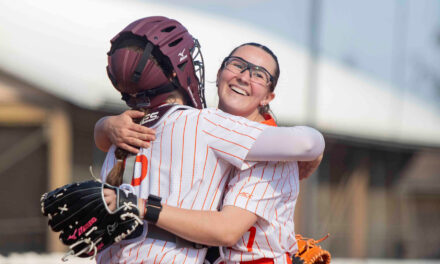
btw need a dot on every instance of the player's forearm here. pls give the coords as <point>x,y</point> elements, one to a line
<point>307,168</point>
<point>102,141</point>
<point>211,228</point>
<point>298,143</point>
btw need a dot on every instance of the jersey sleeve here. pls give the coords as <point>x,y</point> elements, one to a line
<point>109,162</point>
<point>287,144</point>
<point>264,188</point>
<point>230,137</point>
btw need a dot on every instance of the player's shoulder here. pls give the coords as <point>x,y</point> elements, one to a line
<point>223,117</point>
<point>177,111</point>
<point>216,119</point>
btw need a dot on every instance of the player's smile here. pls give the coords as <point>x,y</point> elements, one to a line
<point>239,90</point>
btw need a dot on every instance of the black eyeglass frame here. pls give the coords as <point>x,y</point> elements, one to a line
<point>249,67</point>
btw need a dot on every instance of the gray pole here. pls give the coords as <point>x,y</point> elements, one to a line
<point>313,42</point>
<point>310,216</point>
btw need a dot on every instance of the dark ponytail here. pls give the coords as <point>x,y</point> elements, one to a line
<point>115,175</point>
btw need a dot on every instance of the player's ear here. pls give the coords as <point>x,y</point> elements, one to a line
<point>267,99</point>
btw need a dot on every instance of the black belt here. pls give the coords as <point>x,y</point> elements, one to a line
<point>155,232</point>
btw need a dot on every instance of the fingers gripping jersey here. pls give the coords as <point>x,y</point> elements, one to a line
<point>187,165</point>
<point>270,190</point>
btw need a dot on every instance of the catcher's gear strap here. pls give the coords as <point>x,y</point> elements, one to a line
<point>156,232</point>
<point>142,62</point>
<point>130,161</point>
<point>309,252</point>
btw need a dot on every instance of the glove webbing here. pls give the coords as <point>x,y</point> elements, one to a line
<point>309,252</point>
<point>310,242</point>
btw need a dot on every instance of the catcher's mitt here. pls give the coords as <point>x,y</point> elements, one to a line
<point>309,252</point>
<point>87,225</point>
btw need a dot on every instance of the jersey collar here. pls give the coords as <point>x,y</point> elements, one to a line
<point>268,120</point>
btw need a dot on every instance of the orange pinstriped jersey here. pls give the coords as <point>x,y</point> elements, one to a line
<point>187,165</point>
<point>270,190</point>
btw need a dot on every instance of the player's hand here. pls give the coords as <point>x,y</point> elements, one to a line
<point>126,134</point>
<point>110,198</point>
<point>307,168</point>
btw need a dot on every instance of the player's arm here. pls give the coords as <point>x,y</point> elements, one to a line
<point>212,228</point>
<point>121,131</point>
<point>299,143</point>
<point>307,168</point>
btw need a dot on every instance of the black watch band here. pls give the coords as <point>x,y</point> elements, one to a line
<point>153,208</point>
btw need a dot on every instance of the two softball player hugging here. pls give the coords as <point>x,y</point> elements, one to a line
<point>179,177</point>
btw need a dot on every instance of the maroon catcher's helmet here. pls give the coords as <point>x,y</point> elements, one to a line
<point>152,57</point>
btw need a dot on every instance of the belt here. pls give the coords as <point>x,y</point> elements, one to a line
<point>266,261</point>
<point>155,232</point>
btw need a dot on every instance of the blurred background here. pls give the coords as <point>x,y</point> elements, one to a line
<point>365,73</point>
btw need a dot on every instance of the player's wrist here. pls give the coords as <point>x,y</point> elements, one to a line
<point>141,206</point>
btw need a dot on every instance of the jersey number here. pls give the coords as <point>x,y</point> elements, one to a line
<point>142,161</point>
<point>250,243</point>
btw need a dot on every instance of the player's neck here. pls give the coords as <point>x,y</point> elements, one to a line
<point>175,99</point>
<point>256,116</point>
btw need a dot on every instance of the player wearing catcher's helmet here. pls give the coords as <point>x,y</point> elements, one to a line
<point>151,62</point>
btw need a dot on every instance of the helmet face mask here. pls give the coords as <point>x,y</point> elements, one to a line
<point>199,69</point>
<point>167,58</point>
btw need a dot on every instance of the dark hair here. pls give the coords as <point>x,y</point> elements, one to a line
<point>270,52</point>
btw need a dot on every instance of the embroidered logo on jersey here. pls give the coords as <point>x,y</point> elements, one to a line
<point>150,117</point>
<point>245,194</point>
<point>182,55</point>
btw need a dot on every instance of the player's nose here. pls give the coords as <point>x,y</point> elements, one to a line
<point>244,76</point>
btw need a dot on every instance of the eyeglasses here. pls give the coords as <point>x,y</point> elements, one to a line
<point>257,73</point>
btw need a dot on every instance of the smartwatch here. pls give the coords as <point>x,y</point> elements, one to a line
<point>153,208</point>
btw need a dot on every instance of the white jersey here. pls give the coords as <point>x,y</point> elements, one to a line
<point>187,165</point>
<point>269,190</point>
